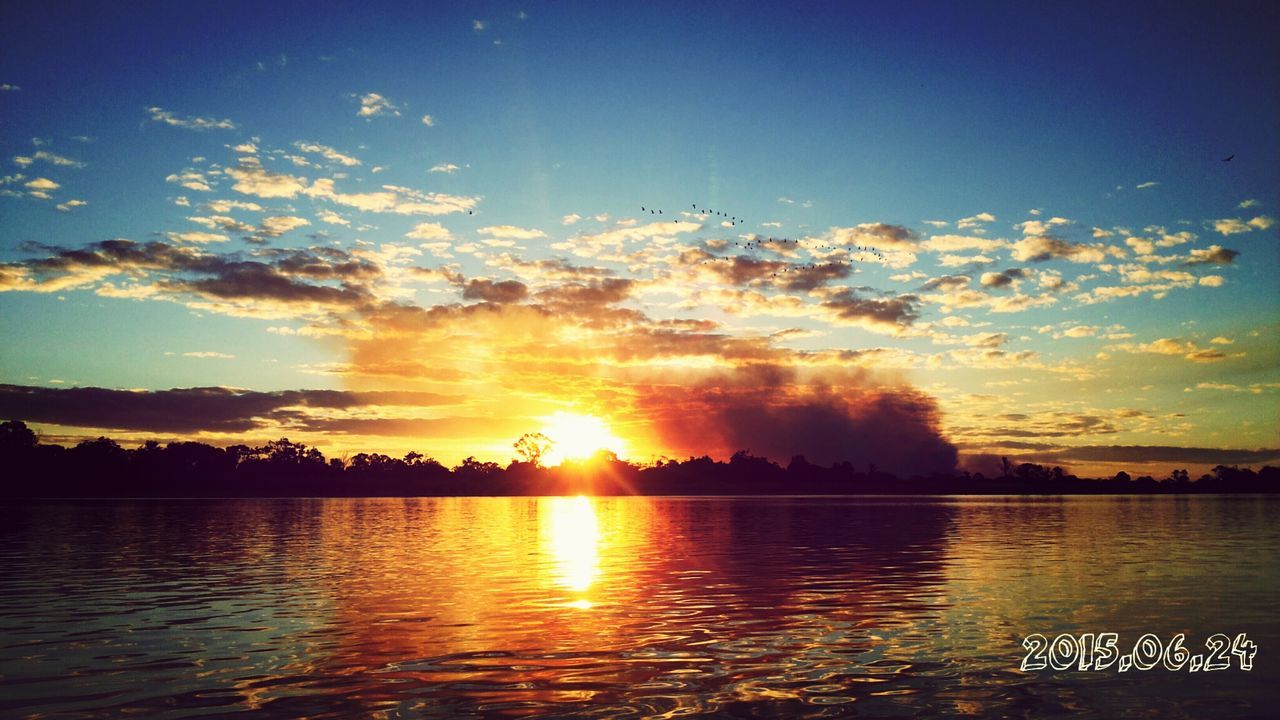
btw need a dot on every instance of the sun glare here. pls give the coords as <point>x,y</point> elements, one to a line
<point>577,437</point>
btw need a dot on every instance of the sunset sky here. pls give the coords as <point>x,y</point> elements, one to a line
<point>406,227</point>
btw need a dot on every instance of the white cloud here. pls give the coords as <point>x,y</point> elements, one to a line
<point>196,237</point>
<point>1145,185</point>
<point>393,199</point>
<point>222,206</point>
<point>221,222</point>
<point>1244,204</point>
<point>1040,227</point>
<point>280,224</point>
<point>331,217</point>
<point>429,231</point>
<point>373,105</point>
<point>48,157</point>
<point>68,205</point>
<point>447,168</point>
<point>952,243</point>
<point>208,354</point>
<point>975,220</point>
<point>327,153</point>
<point>247,148</point>
<point>478,25</point>
<point>571,218</point>
<point>511,232</point>
<point>428,121</point>
<point>191,180</point>
<point>192,123</point>
<point>1235,226</point>
<point>253,179</point>
<point>41,184</point>
<point>6,87</point>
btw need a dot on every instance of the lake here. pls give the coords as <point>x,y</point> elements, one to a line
<point>629,607</point>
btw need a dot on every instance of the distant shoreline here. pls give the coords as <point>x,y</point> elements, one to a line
<point>101,468</point>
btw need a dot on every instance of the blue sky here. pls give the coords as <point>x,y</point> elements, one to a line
<point>1092,137</point>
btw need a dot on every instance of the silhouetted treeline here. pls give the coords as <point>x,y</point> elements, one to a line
<point>102,468</point>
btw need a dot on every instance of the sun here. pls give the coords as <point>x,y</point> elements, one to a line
<point>578,437</point>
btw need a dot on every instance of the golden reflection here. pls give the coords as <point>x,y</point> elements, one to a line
<point>572,541</point>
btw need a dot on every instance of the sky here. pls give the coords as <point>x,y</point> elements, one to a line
<point>924,236</point>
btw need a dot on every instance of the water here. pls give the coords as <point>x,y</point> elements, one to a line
<point>626,607</point>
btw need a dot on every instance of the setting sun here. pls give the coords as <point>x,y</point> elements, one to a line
<point>577,437</point>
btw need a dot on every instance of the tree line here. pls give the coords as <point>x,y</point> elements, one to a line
<point>103,468</point>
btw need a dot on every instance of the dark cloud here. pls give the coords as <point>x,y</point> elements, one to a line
<point>600,292</point>
<point>947,282</point>
<point>762,410</point>
<point>895,312</point>
<point>506,291</point>
<point>186,410</point>
<point>1165,453</point>
<point>320,275</point>
<point>1213,255</point>
<point>1003,279</point>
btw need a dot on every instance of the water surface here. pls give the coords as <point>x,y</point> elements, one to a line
<point>626,607</point>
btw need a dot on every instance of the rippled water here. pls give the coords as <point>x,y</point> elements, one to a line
<point>625,607</point>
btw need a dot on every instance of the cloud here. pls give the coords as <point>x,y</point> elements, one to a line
<point>511,232</point>
<point>447,168</point>
<point>42,185</point>
<point>1146,185</point>
<point>332,218</point>
<point>52,159</point>
<point>570,219</point>
<point>374,105</point>
<point>975,220</point>
<point>891,315</point>
<point>428,121</point>
<point>1039,248</point>
<point>1172,346</point>
<point>276,226</point>
<point>393,199</point>
<point>1167,454</point>
<point>197,237</point>
<point>1002,279</point>
<point>7,87</point>
<point>507,291</point>
<point>253,179</point>
<point>478,25</point>
<point>327,153</point>
<point>953,243</point>
<point>286,282</point>
<point>1245,204</point>
<point>209,354</point>
<point>191,123</point>
<point>191,180</point>
<point>1212,255</point>
<point>69,205</point>
<point>1041,227</point>
<point>224,206</point>
<point>765,411</point>
<point>221,222</point>
<point>1236,226</point>
<point>192,410</point>
<point>429,231</point>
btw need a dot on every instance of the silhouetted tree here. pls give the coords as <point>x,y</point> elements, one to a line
<point>531,447</point>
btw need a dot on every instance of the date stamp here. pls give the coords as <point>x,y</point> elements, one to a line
<point>1100,651</point>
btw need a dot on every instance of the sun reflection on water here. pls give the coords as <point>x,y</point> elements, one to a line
<point>572,541</point>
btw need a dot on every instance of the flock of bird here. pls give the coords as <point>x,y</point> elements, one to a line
<point>732,220</point>
<point>759,243</point>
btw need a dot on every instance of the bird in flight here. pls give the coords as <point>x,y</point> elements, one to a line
<point>1228,158</point>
